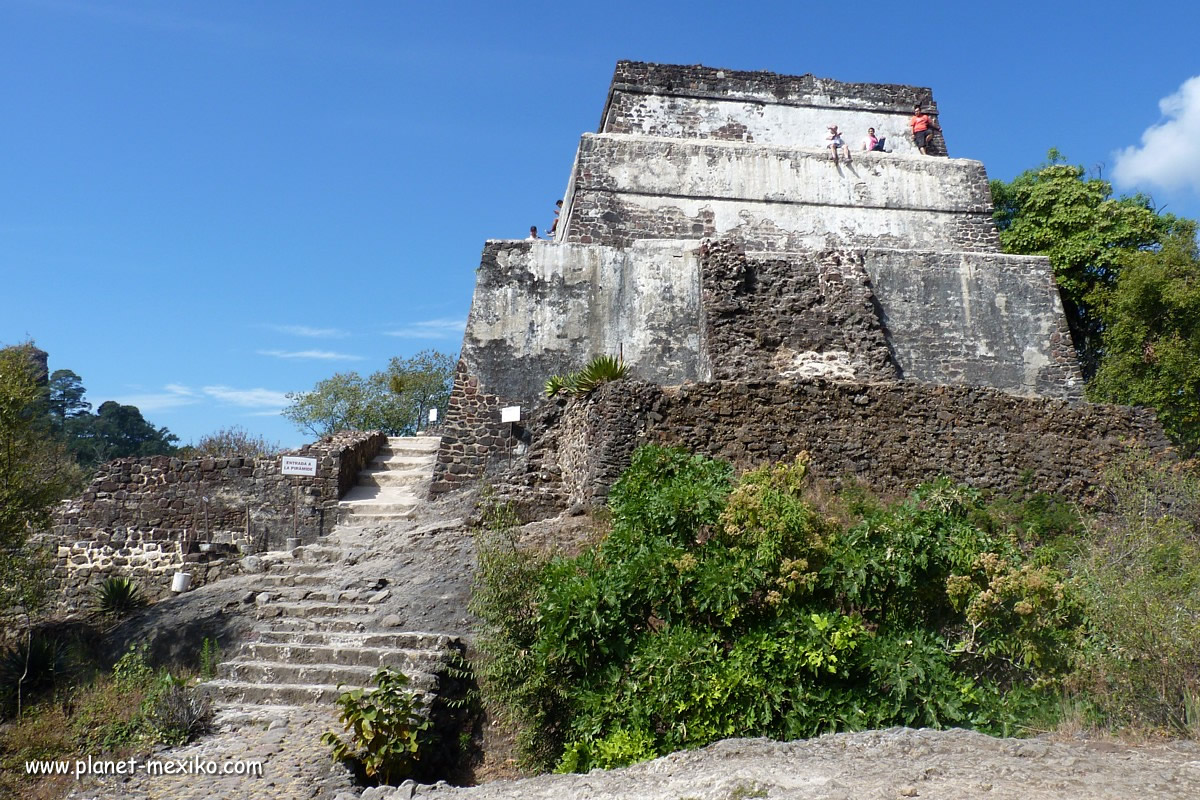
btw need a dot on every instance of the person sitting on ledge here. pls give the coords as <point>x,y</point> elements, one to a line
<point>836,141</point>
<point>554,225</point>
<point>872,143</point>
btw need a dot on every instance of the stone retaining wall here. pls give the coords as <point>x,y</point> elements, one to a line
<point>890,435</point>
<point>147,517</point>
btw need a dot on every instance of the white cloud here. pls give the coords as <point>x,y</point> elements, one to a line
<point>247,397</point>
<point>310,332</point>
<point>431,329</point>
<point>1169,155</point>
<point>173,395</point>
<point>324,355</point>
<point>274,413</point>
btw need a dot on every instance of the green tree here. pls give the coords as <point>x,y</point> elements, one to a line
<point>1090,236</point>
<point>65,397</point>
<point>395,401</point>
<point>1152,338</point>
<point>116,431</point>
<point>334,404</point>
<point>422,383</point>
<point>35,472</point>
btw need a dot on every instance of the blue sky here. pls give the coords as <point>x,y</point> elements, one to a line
<point>206,205</point>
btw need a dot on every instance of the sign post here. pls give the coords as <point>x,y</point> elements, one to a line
<point>511,415</point>
<point>295,465</point>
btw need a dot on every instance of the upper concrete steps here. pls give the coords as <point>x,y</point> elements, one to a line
<point>394,483</point>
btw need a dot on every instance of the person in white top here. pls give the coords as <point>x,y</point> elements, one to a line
<point>836,141</point>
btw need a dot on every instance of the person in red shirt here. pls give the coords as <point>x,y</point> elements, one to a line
<point>922,128</point>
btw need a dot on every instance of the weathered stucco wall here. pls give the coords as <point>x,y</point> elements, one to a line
<point>981,319</point>
<point>541,309</point>
<point>704,102</point>
<point>758,122</point>
<point>626,188</point>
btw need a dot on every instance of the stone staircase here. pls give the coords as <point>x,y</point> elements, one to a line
<point>395,483</point>
<point>321,631</point>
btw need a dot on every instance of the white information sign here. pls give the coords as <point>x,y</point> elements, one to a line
<point>433,415</point>
<point>510,414</point>
<point>294,465</point>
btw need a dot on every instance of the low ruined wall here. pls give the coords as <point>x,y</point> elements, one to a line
<point>893,436</point>
<point>147,517</point>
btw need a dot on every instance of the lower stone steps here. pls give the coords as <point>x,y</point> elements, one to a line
<point>371,657</point>
<point>399,640</point>
<point>228,691</point>
<point>274,672</point>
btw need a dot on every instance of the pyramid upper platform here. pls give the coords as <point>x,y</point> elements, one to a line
<point>698,102</point>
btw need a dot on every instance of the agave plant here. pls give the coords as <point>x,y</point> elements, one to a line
<point>31,667</point>
<point>556,384</point>
<point>118,596</point>
<point>600,369</point>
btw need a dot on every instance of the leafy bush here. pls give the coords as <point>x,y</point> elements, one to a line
<point>716,608</point>
<point>118,596</point>
<point>385,728</point>
<point>234,441</point>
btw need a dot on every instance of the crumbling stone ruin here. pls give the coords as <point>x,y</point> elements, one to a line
<point>769,300</point>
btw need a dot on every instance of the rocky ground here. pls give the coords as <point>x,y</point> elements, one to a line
<point>427,561</point>
<point>896,763</point>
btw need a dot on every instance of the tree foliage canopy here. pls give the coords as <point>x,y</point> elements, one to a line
<point>116,431</point>
<point>1056,210</point>
<point>1129,277</point>
<point>35,472</point>
<point>396,400</point>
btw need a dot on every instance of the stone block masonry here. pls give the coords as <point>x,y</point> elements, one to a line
<point>892,436</point>
<point>148,517</point>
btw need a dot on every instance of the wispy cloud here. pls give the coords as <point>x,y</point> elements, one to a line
<point>322,355</point>
<point>309,331</point>
<point>431,329</point>
<point>273,413</point>
<point>1168,156</point>
<point>173,395</point>
<point>250,398</point>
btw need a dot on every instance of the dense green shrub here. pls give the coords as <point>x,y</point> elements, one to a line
<point>385,727</point>
<point>716,608</point>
